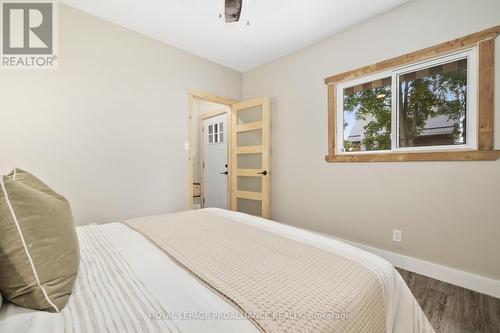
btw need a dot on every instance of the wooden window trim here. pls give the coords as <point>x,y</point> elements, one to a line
<point>484,40</point>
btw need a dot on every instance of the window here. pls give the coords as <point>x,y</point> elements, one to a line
<point>366,118</point>
<point>210,134</point>
<point>216,133</point>
<point>429,105</point>
<point>432,105</point>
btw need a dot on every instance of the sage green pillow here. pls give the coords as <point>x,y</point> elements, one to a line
<point>39,252</point>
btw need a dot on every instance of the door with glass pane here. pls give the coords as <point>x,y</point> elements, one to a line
<point>215,162</point>
<point>250,157</point>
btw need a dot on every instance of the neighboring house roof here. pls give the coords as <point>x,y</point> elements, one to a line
<point>433,126</point>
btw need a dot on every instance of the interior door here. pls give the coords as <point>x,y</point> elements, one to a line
<point>215,170</point>
<point>250,157</point>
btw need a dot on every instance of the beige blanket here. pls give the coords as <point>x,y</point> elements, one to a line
<point>280,284</point>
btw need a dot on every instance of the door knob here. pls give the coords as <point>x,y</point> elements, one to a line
<point>264,173</point>
<point>224,173</point>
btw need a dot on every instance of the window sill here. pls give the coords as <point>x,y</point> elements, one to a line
<point>476,155</point>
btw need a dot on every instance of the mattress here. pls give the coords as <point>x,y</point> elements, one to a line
<point>127,284</point>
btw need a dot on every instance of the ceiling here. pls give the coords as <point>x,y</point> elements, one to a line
<point>277,27</point>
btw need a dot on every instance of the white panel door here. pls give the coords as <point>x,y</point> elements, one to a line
<point>215,161</point>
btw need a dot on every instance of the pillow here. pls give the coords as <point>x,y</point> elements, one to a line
<point>39,252</point>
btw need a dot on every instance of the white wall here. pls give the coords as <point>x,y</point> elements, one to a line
<point>449,211</point>
<point>107,128</point>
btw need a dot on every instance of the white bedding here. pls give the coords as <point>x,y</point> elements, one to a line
<point>145,273</point>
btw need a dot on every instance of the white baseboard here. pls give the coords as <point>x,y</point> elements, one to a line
<point>454,276</point>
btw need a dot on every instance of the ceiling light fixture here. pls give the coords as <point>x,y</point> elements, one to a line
<point>234,11</point>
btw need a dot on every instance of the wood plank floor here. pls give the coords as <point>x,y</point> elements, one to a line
<point>452,309</point>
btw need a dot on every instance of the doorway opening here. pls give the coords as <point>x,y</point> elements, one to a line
<point>229,153</point>
<point>209,149</point>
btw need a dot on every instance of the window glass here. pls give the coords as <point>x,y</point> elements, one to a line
<point>367,116</point>
<point>432,106</point>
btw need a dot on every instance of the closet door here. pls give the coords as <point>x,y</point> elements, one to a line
<point>250,157</point>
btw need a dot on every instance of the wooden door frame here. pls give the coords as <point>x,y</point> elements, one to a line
<point>204,116</point>
<point>206,96</point>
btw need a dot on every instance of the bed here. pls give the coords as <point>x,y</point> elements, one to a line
<point>129,283</point>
